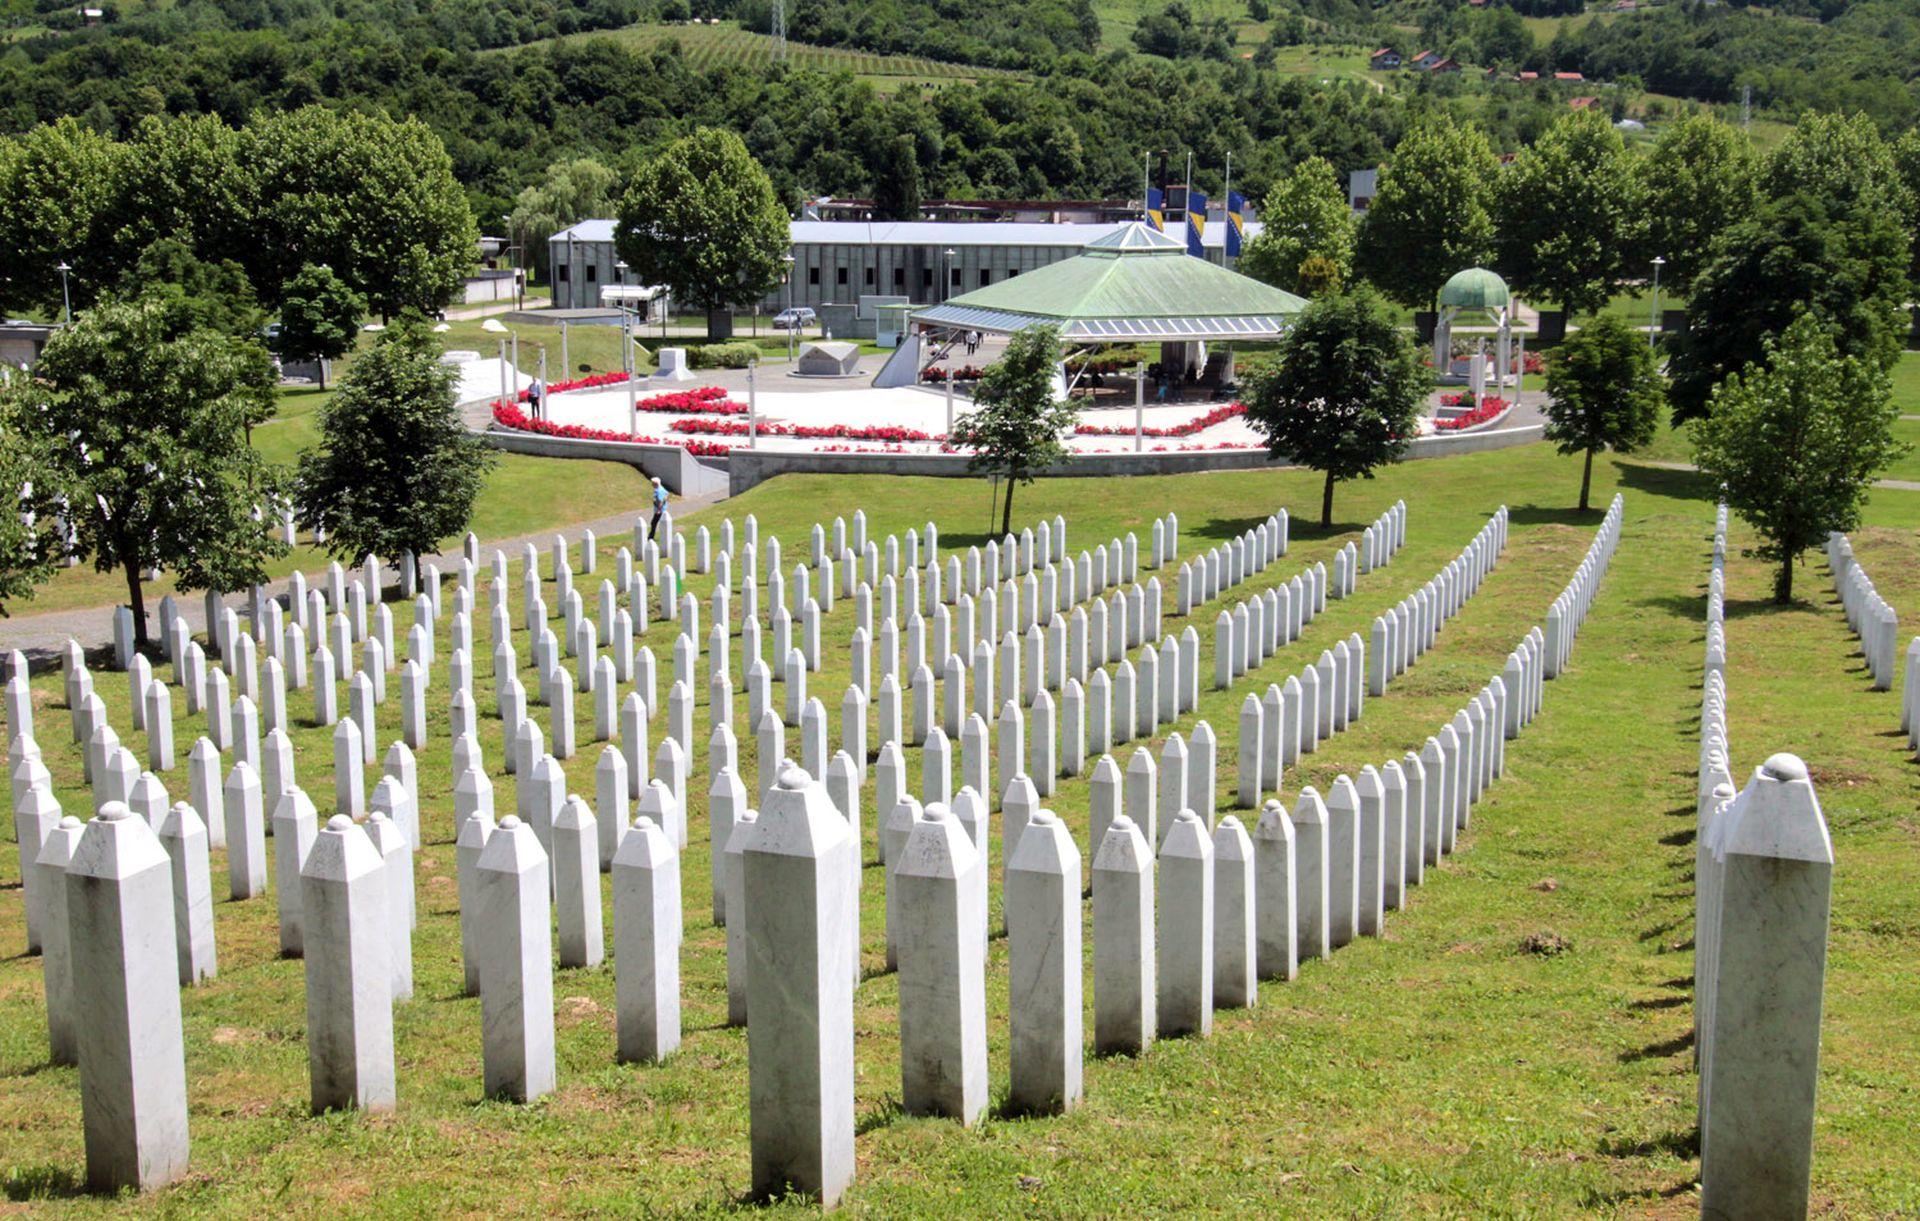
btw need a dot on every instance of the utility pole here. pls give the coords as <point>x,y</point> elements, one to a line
<point>1226,208</point>
<point>779,31</point>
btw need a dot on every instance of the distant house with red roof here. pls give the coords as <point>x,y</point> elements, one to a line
<point>1426,59</point>
<point>1442,65</point>
<point>1584,103</point>
<point>1568,76</point>
<point>1385,57</point>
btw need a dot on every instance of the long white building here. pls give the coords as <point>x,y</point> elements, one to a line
<point>838,262</point>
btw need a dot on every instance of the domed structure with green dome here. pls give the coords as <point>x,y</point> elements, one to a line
<point>1475,288</point>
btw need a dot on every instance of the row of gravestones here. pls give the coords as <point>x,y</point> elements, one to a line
<point>1176,932</point>
<point>1763,886</point>
<point>1869,616</point>
<point>392,829</point>
<point>295,812</point>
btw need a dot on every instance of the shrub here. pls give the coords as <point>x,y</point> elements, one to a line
<point>722,355</point>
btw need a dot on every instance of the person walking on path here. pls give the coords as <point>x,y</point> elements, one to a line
<point>659,506</point>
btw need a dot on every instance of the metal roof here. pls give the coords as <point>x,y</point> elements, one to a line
<point>1072,235</point>
<point>1137,284</point>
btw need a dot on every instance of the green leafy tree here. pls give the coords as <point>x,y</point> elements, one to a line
<point>1603,392</point>
<point>319,317</point>
<point>1842,160</point>
<point>140,419</point>
<point>396,468</point>
<point>1792,255</point>
<point>1796,440</point>
<point>1016,426</point>
<point>1430,216</point>
<point>54,180</point>
<point>177,180</point>
<point>569,192</point>
<point>1567,215</point>
<point>215,295</point>
<point>372,197</point>
<point>702,218</point>
<point>1697,182</point>
<point>1343,397</point>
<point>1906,161</point>
<point>1306,216</point>
<point>896,194</point>
<point>31,542</point>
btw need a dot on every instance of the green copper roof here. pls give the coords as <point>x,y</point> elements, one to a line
<point>1135,273</point>
<point>1475,288</point>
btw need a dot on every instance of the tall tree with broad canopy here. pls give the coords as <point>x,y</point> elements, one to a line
<point>1430,216</point>
<point>1794,255</point>
<point>1696,182</point>
<point>1306,216</point>
<point>1016,426</point>
<point>140,419</point>
<point>1567,215</point>
<point>1603,392</point>
<point>370,196</point>
<point>319,317</point>
<point>1344,395</point>
<point>54,180</point>
<point>396,469</point>
<point>703,219</point>
<point>1796,441</point>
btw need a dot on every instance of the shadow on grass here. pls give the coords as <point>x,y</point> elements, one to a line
<point>1543,515</point>
<point>1659,1051</point>
<point>1682,1143</point>
<point>881,1116</point>
<point>1659,481</point>
<point>46,1182</point>
<point>1659,930</point>
<point>1678,839</point>
<point>870,973</point>
<point>1612,1199</point>
<point>1659,1002</point>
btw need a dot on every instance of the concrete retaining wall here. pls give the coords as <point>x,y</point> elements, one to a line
<point>747,468</point>
<point>672,465</point>
<point>744,468</point>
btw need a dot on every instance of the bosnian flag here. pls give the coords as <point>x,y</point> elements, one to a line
<point>1196,223</point>
<point>1236,222</point>
<point>1156,209</point>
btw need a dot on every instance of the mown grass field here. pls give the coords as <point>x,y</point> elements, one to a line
<point>1436,1070</point>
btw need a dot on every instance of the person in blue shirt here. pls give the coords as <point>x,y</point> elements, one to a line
<point>659,506</point>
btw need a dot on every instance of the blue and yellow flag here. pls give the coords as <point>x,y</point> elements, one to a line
<point>1236,222</point>
<point>1156,209</point>
<point>1196,206</point>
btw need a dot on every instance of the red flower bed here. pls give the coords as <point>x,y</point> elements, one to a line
<point>512,417</point>
<point>1489,408</point>
<point>738,428</point>
<point>1198,424</point>
<point>706,400</point>
<point>965,373</point>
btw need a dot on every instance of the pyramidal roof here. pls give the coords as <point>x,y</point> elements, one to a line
<point>1134,283</point>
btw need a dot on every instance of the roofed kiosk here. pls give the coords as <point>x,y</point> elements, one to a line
<point>1134,285</point>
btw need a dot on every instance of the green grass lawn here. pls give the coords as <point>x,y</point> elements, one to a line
<point>1436,1070</point>
<point>524,495</point>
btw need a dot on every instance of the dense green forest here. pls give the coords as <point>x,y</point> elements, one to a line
<point>1072,112</point>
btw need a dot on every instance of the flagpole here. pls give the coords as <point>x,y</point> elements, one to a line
<point>1186,198</point>
<point>1226,211</point>
<point>1146,181</point>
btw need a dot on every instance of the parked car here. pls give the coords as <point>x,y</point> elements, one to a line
<point>796,319</point>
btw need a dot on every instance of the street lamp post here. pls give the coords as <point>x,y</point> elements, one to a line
<point>1653,323</point>
<point>66,297</point>
<point>753,407</point>
<point>786,278</point>
<point>946,282</point>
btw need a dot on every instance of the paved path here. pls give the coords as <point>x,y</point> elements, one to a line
<point>41,637</point>
<point>1898,485</point>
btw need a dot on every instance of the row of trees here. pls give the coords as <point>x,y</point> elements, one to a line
<point>372,199</point>
<point>134,431</point>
